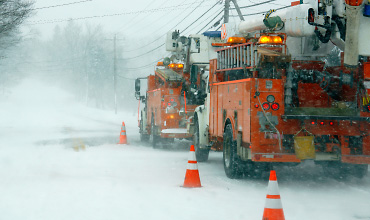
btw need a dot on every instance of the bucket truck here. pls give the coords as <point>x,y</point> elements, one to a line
<point>273,96</point>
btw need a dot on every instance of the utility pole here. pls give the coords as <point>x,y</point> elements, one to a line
<point>115,72</point>
<point>226,11</point>
<point>115,69</point>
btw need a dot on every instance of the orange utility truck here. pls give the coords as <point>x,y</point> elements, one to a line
<point>177,87</point>
<point>165,112</point>
<point>274,96</point>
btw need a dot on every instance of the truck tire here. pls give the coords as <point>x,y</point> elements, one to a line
<point>143,137</point>
<point>232,163</point>
<point>155,138</point>
<point>167,142</point>
<point>200,154</point>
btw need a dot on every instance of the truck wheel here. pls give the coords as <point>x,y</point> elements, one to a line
<point>232,163</point>
<point>155,138</point>
<point>167,142</point>
<point>143,137</point>
<point>200,154</point>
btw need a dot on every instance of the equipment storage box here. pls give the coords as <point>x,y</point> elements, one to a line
<point>304,147</point>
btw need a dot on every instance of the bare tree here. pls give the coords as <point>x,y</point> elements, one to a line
<point>12,14</point>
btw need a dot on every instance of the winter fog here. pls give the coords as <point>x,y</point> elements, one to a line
<point>67,85</point>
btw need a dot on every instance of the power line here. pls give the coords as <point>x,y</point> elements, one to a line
<point>211,21</point>
<point>54,6</point>
<point>201,15</point>
<point>161,46</point>
<point>163,34</point>
<point>261,3</point>
<point>258,13</point>
<point>125,77</point>
<point>146,65</point>
<point>130,58</point>
<point>176,7</point>
<point>205,20</point>
<point>129,23</point>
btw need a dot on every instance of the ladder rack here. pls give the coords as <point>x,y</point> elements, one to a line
<point>169,75</point>
<point>241,56</point>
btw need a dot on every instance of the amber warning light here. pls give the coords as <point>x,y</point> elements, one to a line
<point>176,66</point>
<point>270,40</point>
<point>236,40</point>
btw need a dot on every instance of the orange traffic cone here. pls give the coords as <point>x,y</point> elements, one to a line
<point>192,174</point>
<point>122,136</point>
<point>273,206</point>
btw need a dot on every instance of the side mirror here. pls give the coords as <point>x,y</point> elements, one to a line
<point>137,88</point>
<point>193,76</point>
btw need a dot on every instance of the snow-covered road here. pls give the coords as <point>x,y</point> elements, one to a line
<point>43,177</point>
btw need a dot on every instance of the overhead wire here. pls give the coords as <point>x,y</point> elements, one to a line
<point>176,7</point>
<point>205,20</point>
<point>137,48</point>
<point>150,64</point>
<point>140,68</point>
<point>263,12</point>
<point>129,23</point>
<point>211,22</point>
<point>130,58</point>
<point>256,4</point>
<point>61,5</point>
<point>200,16</point>
<point>135,24</point>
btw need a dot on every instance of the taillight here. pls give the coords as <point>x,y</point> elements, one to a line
<point>322,123</point>
<point>311,16</point>
<point>256,106</point>
<point>313,122</point>
<point>266,106</point>
<point>275,106</point>
<point>172,100</point>
<point>169,104</point>
<point>331,123</point>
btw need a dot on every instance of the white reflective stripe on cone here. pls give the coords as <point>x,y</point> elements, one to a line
<point>273,188</point>
<point>192,166</point>
<point>123,133</point>
<point>192,156</point>
<point>273,204</point>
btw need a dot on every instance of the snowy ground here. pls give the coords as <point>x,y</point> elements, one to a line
<point>43,177</point>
